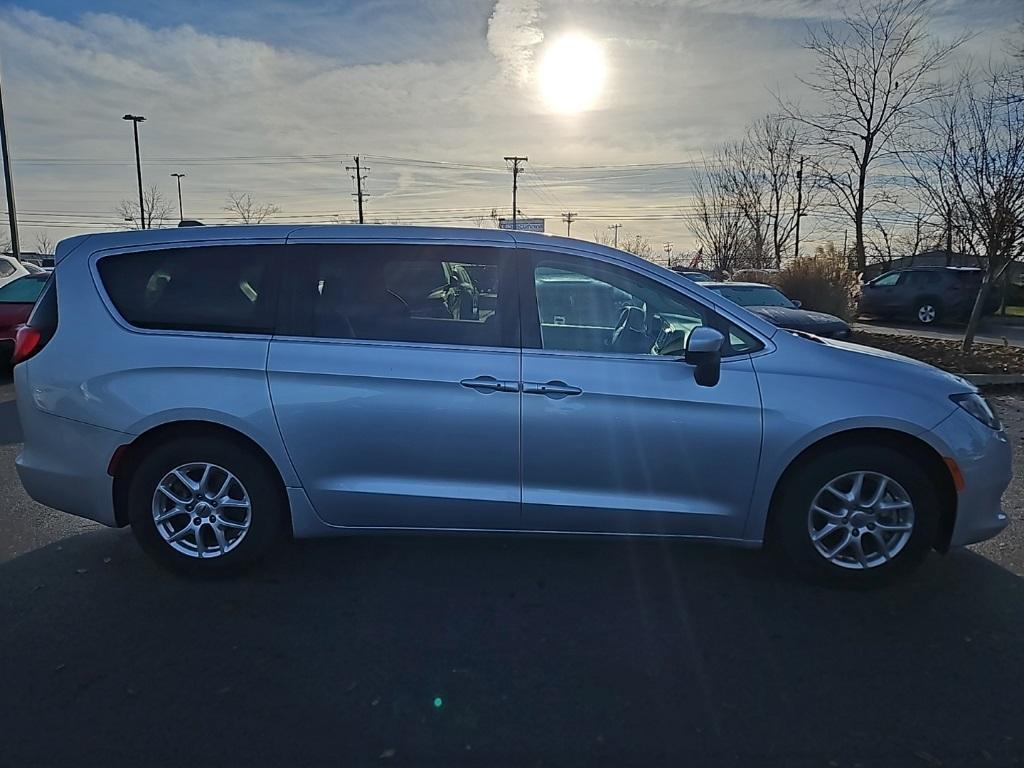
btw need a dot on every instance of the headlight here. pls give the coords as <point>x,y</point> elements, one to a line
<point>975,405</point>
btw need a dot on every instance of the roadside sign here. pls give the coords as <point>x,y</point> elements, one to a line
<point>522,224</point>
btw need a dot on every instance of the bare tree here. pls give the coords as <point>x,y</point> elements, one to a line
<point>244,207</point>
<point>634,243</point>
<point>977,164</point>
<point>44,243</point>
<point>718,224</point>
<point>158,210</point>
<point>773,148</point>
<point>873,73</point>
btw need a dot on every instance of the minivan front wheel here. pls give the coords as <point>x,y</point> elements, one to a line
<point>856,517</point>
<point>204,505</point>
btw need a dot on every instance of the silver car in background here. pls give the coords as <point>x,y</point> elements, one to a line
<point>217,388</point>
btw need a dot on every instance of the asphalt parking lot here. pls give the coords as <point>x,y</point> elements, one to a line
<point>498,652</point>
<point>993,330</point>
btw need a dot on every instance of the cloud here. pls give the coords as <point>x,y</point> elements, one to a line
<point>512,35</point>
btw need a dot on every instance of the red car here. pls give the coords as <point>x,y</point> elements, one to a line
<point>16,301</point>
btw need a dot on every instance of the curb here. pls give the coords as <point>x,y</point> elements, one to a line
<point>993,379</point>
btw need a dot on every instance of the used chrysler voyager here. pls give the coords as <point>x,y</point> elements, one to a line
<point>217,388</point>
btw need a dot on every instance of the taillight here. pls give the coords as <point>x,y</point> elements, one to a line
<point>26,343</point>
<point>40,326</point>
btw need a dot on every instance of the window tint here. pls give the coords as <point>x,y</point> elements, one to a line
<point>408,293</point>
<point>24,290</point>
<point>885,280</point>
<point>226,289</point>
<point>587,306</point>
<point>6,268</point>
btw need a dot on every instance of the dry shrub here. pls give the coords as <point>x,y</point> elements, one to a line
<point>822,283</point>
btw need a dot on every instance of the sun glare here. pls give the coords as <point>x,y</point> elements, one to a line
<point>571,73</point>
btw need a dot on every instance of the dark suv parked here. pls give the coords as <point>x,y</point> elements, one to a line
<point>926,294</point>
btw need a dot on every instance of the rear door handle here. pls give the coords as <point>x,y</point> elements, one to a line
<point>556,389</point>
<point>490,384</point>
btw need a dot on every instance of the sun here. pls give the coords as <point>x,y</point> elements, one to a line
<point>571,73</point>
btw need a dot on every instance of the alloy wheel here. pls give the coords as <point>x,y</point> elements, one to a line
<point>927,313</point>
<point>201,510</point>
<point>860,520</point>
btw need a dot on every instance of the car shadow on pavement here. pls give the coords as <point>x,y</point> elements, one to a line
<point>10,427</point>
<point>491,651</point>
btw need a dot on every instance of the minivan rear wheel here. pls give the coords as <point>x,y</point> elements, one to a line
<point>205,505</point>
<point>860,516</point>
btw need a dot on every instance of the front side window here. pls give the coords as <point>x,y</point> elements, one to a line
<point>887,280</point>
<point>226,289</point>
<point>24,290</point>
<point>587,306</point>
<point>408,293</point>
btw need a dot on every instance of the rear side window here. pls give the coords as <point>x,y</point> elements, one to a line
<point>225,289</point>
<point>424,294</point>
<point>6,268</point>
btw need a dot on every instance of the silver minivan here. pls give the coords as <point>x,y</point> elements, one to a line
<point>218,388</point>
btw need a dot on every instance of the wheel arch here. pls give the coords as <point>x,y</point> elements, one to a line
<point>925,453</point>
<point>128,457</point>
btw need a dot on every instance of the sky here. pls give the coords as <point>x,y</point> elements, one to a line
<point>273,99</point>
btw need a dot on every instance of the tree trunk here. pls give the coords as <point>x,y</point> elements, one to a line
<point>979,304</point>
<point>858,214</point>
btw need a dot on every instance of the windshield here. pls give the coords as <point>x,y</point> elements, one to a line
<point>754,295</point>
<point>24,290</point>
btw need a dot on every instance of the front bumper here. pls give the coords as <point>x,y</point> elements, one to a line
<point>985,458</point>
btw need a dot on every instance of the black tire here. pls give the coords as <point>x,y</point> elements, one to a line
<point>790,534</point>
<point>268,506</point>
<point>926,308</point>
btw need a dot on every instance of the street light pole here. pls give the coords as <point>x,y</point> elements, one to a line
<point>136,119</point>
<point>179,176</point>
<point>9,180</point>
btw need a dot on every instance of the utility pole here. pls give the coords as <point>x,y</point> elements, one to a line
<point>615,229</point>
<point>949,235</point>
<point>179,177</point>
<point>569,217</point>
<point>668,252</point>
<point>359,185</point>
<point>136,119</point>
<point>12,214</point>
<point>799,210</point>
<point>515,160</point>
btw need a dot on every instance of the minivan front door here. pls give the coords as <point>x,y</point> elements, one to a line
<point>617,435</point>
<point>397,389</point>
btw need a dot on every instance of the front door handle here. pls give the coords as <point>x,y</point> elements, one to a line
<point>490,384</point>
<point>555,389</point>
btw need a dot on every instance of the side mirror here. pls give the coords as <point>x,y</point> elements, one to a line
<point>796,303</point>
<point>704,352</point>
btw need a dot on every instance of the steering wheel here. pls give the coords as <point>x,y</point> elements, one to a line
<point>630,334</point>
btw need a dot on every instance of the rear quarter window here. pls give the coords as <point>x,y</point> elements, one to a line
<point>225,289</point>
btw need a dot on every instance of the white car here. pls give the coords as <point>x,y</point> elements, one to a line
<point>10,269</point>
